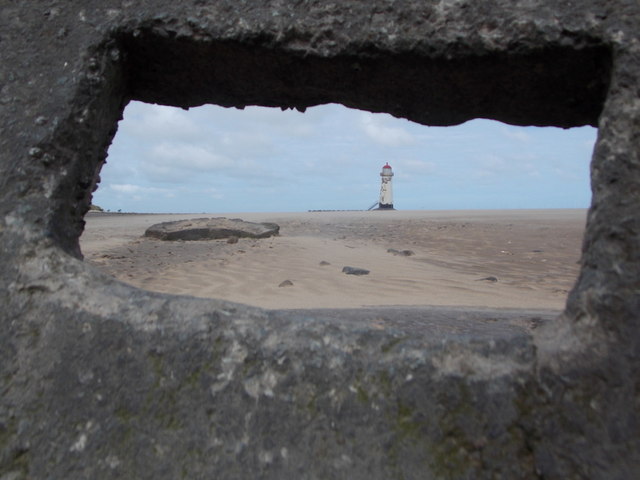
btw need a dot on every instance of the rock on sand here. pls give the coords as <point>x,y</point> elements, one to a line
<point>211,229</point>
<point>355,271</point>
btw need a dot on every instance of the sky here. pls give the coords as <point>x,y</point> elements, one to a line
<point>213,159</point>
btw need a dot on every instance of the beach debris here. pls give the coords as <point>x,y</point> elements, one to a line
<point>488,279</point>
<point>286,283</point>
<point>355,271</point>
<point>112,257</point>
<point>404,253</point>
<point>211,229</point>
<point>232,239</point>
<point>324,263</point>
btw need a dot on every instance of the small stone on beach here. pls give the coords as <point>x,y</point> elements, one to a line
<point>286,283</point>
<point>488,279</point>
<point>355,271</point>
<point>404,253</point>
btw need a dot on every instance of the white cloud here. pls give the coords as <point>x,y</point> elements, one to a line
<point>125,188</point>
<point>516,134</point>
<point>158,121</point>
<point>376,127</point>
<point>417,166</point>
<point>532,170</point>
<point>178,163</point>
<point>493,163</point>
<point>191,157</point>
<point>571,174</point>
<point>214,193</point>
<point>243,144</point>
<point>130,188</point>
<point>138,191</point>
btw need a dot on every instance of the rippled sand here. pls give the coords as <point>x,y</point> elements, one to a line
<point>501,259</point>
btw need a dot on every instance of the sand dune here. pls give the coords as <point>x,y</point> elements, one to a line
<point>501,259</point>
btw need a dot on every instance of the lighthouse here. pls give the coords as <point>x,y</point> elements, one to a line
<point>386,191</point>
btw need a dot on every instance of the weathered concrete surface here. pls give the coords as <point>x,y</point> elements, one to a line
<point>210,229</point>
<point>100,380</point>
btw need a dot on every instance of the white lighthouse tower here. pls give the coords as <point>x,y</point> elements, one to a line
<point>386,191</point>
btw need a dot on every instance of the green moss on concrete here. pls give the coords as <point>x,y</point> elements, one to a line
<point>20,463</point>
<point>388,346</point>
<point>161,400</point>
<point>452,458</point>
<point>455,454</point>
<point>249,364</point>
<point>441,443</point>
<point>7,432</point>
<point>384,385</point>
<point>123,414</point>
<point>312,406</point>
<point>406,427</point>
<point>193,379</point>
<point>34,334</point>
<point>157,367</point>
<point>362,395</point>
<point>16,460</point>
<point>407,434</point>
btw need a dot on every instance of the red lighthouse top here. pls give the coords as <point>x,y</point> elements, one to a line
<point>386,165</point>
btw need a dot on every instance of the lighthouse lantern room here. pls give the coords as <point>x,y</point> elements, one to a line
<point>386,191</point>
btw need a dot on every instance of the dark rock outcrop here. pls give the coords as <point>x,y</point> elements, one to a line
<point>101,380</point>
<point>211,229</point>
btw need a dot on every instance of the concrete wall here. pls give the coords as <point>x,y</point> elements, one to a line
<point>100,380</point>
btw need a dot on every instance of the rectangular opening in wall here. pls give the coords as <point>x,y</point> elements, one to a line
<point>485,214</point>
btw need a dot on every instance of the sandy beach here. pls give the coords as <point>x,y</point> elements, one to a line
<point>497,259</point>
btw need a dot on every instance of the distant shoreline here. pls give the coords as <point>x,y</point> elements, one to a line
<point>481,210</point>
